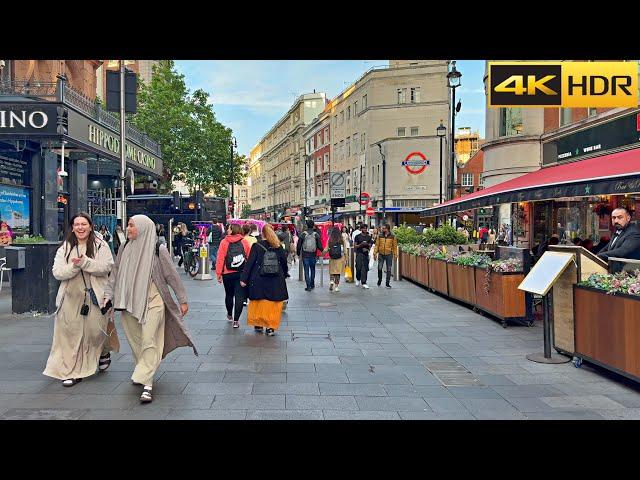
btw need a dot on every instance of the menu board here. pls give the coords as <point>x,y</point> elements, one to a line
<point>14,171</point>
<point>545,272</point>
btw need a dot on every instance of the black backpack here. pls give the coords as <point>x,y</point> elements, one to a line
<point>335,251</point>
<point>235,259</point>
<point>270,266</point>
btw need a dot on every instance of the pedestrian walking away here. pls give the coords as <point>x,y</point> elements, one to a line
<point>161,236</point>
<point>232,257</point>
<point>265,277</point>
<point>284,235</point>
<point>308,246</point>
<point>337,250</point>
<point>139,289</point>
<point>214,239</point>
<point>363,243</point>
<point>354,234</point>
<point>385,251</point>
<point>81,331</point>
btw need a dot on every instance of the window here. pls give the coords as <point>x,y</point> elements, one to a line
<point>348,112</point>
<point>414,131</point>
<point>356,143</point>
<point>326,135</point>
<point>348,182</point>
<point>341,117</point>
<point>335,121</point>
<point>415,95</point>
<point>355,108</point>
<point>363,143</point>
<point>335,150</point>
<point>591,111</point>
<point>402,95</point>
<point>341,148</point>
<point>348,146</point>
<point>565,116</point>
<point>467,179</point>
<point>510,121</point>
<point>378,181</point>
<point>401,131</point>
<point>364,102</point>
<point>326,162</point>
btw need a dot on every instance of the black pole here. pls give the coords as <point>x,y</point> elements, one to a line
<point>547,326</point>
<point>453,141</point>
<point>384,188</point>
<point>304,212</point>
<point>440,197</point>
<point>233,205</point>
<point>274,197</point>
<point>360,196</point>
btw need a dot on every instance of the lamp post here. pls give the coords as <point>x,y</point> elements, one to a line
<point>453,82</point>
<point>384,184</point>
<point>441,131</point>
<point>274,197</point>
<point>360,196</point>
<point>233,203</point>
<point>304,211</point>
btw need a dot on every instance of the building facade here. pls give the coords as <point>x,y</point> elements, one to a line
<point>317,140</point>
<point>388,118</point>
<point>467,144</point>
<point>276,165</point>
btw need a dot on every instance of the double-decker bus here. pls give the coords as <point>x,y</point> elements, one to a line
<point>161,208</point>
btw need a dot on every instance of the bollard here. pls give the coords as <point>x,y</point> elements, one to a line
<point>321,271</point>
<point>204,272</point>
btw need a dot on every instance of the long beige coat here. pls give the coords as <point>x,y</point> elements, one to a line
<point>337,265</point>
<point>163,274</point>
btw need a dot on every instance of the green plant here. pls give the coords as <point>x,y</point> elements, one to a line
<point>26,240</point>
<point>444,235</point>
<point>406,235</point>
<point>622,282</point>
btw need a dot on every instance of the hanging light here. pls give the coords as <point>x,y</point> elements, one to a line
<point>62,173</point>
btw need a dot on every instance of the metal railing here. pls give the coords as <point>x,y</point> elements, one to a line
<point>46,90</point>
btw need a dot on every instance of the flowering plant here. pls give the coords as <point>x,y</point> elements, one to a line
<point>622,282</point>
<point>602,209</point>
<point>471,259</point>
<point>509,265</point>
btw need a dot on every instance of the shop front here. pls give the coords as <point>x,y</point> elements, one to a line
<point>57,149</point>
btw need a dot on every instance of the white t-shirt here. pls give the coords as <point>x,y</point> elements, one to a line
<point>355,234</point>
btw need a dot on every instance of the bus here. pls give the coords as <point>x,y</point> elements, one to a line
<point>162,208</point>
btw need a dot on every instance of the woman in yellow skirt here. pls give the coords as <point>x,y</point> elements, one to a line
<point>265,274</point>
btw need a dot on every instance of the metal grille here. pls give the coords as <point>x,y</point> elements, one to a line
<point>102,202</point>
<point>452,374</point>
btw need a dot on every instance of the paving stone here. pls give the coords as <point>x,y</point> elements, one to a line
<point>249,402</point>
<point>436,416</point>
<point>176,414</point>
<point>565,415</point>
<point>491,408</point>
<point>288,388</point>
<point>338,415</point>
<point>528,391</point>
<point>595,402</point>
<point>148,413</point>
<point>495,380</point>
<point>362,389</point>
<point>286,368</point>
<point>241,377</point>
<point>317,377</point>
<point>474,392</point>
<point>392,404</point>
<point>25,386</point>
<point>417,391</point>
<point>217,388</point>
<point>331,359</point>
<point>195,402</point>
<point>42,414</point>
<point>628,400</point>
<point>324,402</point>
<point>380,379</point>
<point>625,414</point>
<point>439,404</point>
<point>285,415</point>
<point>541,379</point>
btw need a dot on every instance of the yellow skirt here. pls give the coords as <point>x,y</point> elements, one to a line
<point>264,313</point>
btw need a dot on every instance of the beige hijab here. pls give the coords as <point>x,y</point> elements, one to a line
<point>134,270</point>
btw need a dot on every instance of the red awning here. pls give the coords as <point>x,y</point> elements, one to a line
<point>595,176</point>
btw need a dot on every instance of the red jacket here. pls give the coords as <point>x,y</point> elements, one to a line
<point>221,268</point>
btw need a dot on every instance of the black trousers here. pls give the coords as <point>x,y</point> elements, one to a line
<point>362,267</point>
<point>382,259</point>
<point>234,294</point>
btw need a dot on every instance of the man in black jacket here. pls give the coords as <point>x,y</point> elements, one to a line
<point>309,254</point>
<point>362,244</point>
<point>625,242</point>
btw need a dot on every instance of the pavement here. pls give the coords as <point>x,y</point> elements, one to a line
<point>382,354</point>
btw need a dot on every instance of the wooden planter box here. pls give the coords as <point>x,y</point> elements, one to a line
<point>504,300</point>
<point>607,330</point>
<point>422,271</point>
<point>438,275</point>
<point>462,283</point>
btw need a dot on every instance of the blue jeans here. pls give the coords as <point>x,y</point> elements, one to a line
<point>309,264</point>
<point>213,253</point>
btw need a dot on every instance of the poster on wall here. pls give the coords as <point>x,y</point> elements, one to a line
<point>15,208</point>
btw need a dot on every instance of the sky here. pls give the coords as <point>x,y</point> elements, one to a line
<point>250,96</point>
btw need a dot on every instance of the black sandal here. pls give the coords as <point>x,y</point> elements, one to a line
<point>146,396</point>
<point>104,362</point>
<point>70,382</point>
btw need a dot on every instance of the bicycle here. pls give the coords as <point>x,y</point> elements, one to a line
<point>190,254</point>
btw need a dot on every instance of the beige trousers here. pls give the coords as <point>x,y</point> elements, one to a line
<point>147,341</point>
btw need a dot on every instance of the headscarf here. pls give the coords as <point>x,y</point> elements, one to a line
<point>134,271</point>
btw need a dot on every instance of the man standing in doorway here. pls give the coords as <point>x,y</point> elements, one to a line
<point>308,245</point>
<point>385,251</point>
<point>362,244</point>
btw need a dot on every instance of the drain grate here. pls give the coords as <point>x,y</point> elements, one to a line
<point>452,374</point>
<point>298,335</point>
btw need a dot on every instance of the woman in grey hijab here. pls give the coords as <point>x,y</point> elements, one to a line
<point>138,287</point>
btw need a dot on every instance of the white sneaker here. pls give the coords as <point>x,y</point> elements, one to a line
<point>357,283</point>
<point>336,289</point>
<point>365,286</point>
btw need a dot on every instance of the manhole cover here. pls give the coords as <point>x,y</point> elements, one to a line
<point>297,335</point>
<point>452,374</point>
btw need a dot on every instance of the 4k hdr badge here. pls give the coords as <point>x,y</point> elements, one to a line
<point>563,84</point>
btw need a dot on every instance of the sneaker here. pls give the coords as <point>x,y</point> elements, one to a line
<point>357,283</point>
<point>257,329</point>
<point>388,285</point>
<point>229,318</point>
<point>331,285</point>
<point>365,286</point>
<point>379,282</point>
<point>236,324</point>
<point>337,289</point>
<point>307,289</point>
<point>270,332</point>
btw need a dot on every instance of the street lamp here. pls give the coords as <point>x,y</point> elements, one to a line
<point>274,197</point>
<point>384,185</point>
<point>453,82</point>
<point>304,211</point>
<point>233,204</point>
<point>441,131</point>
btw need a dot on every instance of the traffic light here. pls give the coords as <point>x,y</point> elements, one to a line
<point>62,120</point>
<point>177,200</point>
<point>199,199</point>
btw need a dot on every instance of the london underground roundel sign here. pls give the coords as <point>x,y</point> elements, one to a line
<point>364,198</point>
<point>415,163</point>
